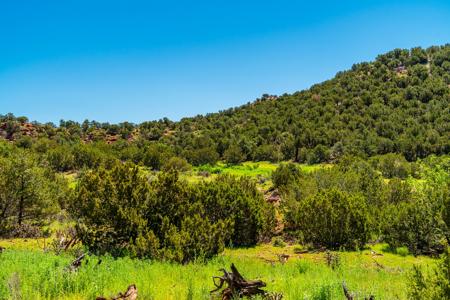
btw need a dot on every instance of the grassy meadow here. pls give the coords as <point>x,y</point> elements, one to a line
<point>261,171</point>
<point>27,272</point>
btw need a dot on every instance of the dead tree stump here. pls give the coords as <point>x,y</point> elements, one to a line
<point>239,287</point>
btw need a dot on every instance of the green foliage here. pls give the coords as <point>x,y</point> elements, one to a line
<point>432,286</point>
<point>398,103</point>
<point>120,212</point>
<point>28,192</point>
<point>42,275</point>
<point>278,242</point>
<point>234,154</point>
<point>319,154</point>
<point>238,200</point>
<point>417,224</point>
<point>110,207</point>
<point>61,159</point>
<point>392,165</point>
<point>285,175</point>
<point>176,163</point>
<point>402,251</point>
<point>156,155</point>
<point>202,156</point>
<point>86,156</point>
<point>343,220</point>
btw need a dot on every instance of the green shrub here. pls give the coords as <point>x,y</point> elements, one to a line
<point>333,219</point>
<point>238,200</point>
<point>285,174</point>
<point>392,165</point>
<point>299,249</point>
<point>278,242</point>
<point>120,212</point>
<point>402,251</point>
<point>234,154</point>
<point>417,224</point>
<point>177,164</point>
<point>61,158</point>
<point>433,285</point>
<point>303,266</point>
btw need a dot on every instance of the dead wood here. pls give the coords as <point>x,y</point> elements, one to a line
<point>130,294</point>
<point>347,293</point>
<point>74,265</point>
<point>270,261</point>
<point>239,287</point>
<point>283,258</point>
<point>380,266</point>
<point>351,296</point>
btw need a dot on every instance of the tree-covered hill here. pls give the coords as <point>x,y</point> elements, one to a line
<point>398,103</point>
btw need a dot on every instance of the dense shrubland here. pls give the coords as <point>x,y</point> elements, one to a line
<point>399,103</point>
<point>123,208</point>
<point>347,205</point>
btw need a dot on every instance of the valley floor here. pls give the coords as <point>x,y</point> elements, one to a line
<point>26,272</point>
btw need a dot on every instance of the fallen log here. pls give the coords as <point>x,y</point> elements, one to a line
<point>74,265</point>
<point>130,294</point>
<point>238,287</point>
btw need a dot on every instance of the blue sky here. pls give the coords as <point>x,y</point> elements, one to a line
<point>144,60</point>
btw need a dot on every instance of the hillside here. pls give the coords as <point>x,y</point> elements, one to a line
<point>398,103</point>
<point>194,196</point>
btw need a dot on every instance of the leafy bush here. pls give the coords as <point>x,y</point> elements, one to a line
<point>278,242</point>
<point>333,219</point>
<point>61,159</point>
<point>202,156</point>
<point>239,200</point>
<point>285,174</point>
<point>402,251</point>
<point>392,165</point>
<point>433,286</point>
<point>417,224</point>
<point>120,212</point>
<point>177,164</point>
<point>234,154</point>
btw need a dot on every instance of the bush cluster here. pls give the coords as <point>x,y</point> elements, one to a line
<point>346,205</point>
<point>122,212</point>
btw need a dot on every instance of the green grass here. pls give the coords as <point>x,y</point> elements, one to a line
<point>261,170</point>
<point>39,275</point>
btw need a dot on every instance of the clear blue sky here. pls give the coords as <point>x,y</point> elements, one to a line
<point>144,60</point>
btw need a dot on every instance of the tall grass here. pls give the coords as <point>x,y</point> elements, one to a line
<point>32,274</point>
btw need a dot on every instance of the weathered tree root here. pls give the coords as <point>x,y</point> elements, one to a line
<point>238,287</point>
